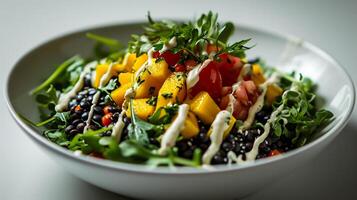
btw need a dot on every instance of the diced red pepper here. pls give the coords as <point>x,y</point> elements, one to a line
<point>107,119</point>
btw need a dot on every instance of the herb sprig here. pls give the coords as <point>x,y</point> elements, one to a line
<point>192,37</point>
<point>299,118</point>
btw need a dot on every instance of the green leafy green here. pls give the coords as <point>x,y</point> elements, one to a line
<point>193,37</point>
<point>140,130</point>
<point>132,149</point>
<point>106,47</point>
<point>164,115</point>
<point>299,119</point>
<point>57,74</point>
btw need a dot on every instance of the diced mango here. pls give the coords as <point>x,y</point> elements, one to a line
<point>140,61</point>
<point>191,128</point>
<point>125,77</point>
<point>232,121</point>
<point>127,64</point>
<point>151,79</point>
<point>257,75</point>
<point>119,93</point>
<point>100,70</point>
<point>141,108</point>
<point>273,91</point>
<point>204,107</point>
<point>172,91</point>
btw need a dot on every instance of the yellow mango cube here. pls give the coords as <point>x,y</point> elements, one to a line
<point>273,91</point>
<point>100,70</point>
<point>140,61</point>
<point>127,64</point>
<point>172,91</point>
<point>191,128</point>
<point>119,93</point>
<point>125,77</point>
<point>141,108</point>
<point>204,107</point>
<point>150,80</point>
<point>257,75</point>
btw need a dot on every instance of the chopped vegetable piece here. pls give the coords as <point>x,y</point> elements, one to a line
<point>204,107</point>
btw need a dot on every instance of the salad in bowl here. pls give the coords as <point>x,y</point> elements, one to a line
<point>179,94</point>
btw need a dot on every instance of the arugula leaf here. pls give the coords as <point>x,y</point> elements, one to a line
<point>106,46</point>
<point>192,37</point>
<point>164,115</point>
<point>299,119</point>
<point>131,149</point>
<point>56,136</point>
<point>57,74</point>
<point>139,130</point>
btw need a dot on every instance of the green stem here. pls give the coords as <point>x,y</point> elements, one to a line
<point>55,74</point>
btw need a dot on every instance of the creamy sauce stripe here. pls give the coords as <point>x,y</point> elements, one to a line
<point>169,138</point>
<point>103,81</point>
<point>219,125</point>
<point>193,75</point>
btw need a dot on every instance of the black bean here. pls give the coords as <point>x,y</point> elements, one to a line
<point>85,116</point>
<point>182,146</point>
<point>90,98</point>
<point>69,128</point>
<point>98,109</point>
<point>227,146</point>
<point>113,109</point>
<point>75,122</point>
<point>262,116</point>
<point>80,127</point>
<point>203,146</point>
<point>83,92</point>
<point>237,149</point>
<point>250,136</point>
<point>87,80</point>
<point>74,132</point>
<point>79,97</point>
<point>115,117</point>
<point>187,154</point>
<point>248,146</point>
<point>84,104</point>
<point>203,138</point>
<point>219,158</point>
<point>92,91</point>
<point>97,118</point>
<point>72,104</point>
<point>75,116</point>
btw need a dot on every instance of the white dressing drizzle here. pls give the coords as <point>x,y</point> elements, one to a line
<point>169,138</point>
<point>193,75</point>
<point>219,125</point>
<point>64,99</point>
<point>103,81</point>
<point>171,44</point>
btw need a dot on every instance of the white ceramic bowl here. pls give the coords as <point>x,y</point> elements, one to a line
<point>227,182</point>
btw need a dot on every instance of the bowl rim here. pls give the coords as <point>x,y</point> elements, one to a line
<point>135,168</point>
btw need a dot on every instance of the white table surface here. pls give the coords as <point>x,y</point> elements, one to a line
<point>27,173</point>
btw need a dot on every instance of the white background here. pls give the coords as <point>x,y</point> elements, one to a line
<point>27,173</point>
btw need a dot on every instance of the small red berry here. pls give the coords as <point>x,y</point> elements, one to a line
<point>107,119</point>
<point>274,153</point>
